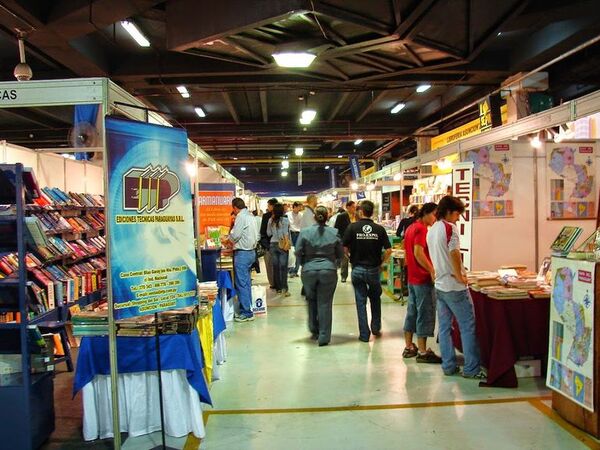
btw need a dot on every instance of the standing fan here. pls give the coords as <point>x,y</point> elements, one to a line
<point>84,135</point>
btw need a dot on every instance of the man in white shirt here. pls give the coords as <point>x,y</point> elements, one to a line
<point>308,216</point>
<point>295,218</point>
<point>452,293</point>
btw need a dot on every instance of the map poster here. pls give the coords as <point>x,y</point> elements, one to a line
<point>571,346</point>
<point>571,181</point>
<point>492,196</point>
<point>151,254</point>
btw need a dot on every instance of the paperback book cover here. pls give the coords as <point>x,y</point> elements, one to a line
<point>566,239</point>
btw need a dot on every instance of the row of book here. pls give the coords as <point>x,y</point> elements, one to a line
<point>55,197</point>
<point>54,223</point>
<point>58,248</point>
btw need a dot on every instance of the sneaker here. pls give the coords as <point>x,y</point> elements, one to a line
<point>241,318</point>
<point>362,339</point>
<point>323,344</point>
<point>481,375</point>
<point>456,371</point>
<point>287,294</point>
<point>410,352</point>
<point>429,357</point>
<point>343,280</point>
<point>376,333</point>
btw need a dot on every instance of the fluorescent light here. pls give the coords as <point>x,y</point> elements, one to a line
<point>396,109</point>
<point>354,185</point>
<point>243,169</point>
<point>285,164</point>
<point>135,33</point>
<point>200,111</point>
<point>358,142</point>
<point>235,158</point>
<point>308,115</point>
<point>293,59</point>
<point>284,173</point>
<point>535,142</point>
<point>340,156</point>
<point>423,88</point>
<point>68,155</point>
<point>183,91</point>
<point>326,167</point>
<point>299,151</point>
<point>191,169</point>
<point>397,177</point>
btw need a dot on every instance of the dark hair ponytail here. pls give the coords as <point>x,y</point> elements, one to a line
<point>427,208</point>
<point>321,215</point>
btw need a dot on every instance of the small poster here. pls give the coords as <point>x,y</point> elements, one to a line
<point>571,346</point>
<point>571,182</point>
<point>492,196</point>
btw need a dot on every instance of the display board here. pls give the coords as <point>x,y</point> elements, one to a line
<point>214,205</point>
<point>492,176</point>
<point>462,187</point>
<point>571,346</point>
<point>571,180</point>
<point>151,238</point>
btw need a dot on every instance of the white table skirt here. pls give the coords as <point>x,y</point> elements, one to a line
<point>219,355</point>
<point>227,305</point>
<point>139,408</point>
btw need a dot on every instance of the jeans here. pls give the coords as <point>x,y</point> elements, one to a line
<point>294,270</point>
<point>344,267</point>
<point>457,304</point>
<point>242,264</point>
<point>319,286</point>
<point>366,283</point>
<point>279,260</point>
<point>420,312</point>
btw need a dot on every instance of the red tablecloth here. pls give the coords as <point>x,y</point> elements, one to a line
<point>508,330</point>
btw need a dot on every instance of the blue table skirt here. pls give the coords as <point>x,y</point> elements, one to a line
<point>138,354</point>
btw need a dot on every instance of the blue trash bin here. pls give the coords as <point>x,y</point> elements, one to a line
<point>209,260</point>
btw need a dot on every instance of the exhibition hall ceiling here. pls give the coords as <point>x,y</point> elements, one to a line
<point>371,56</point>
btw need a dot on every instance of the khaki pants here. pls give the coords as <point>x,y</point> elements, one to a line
<point>269,266</point>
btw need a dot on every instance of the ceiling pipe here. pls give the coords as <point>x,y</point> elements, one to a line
<point>340,161</point>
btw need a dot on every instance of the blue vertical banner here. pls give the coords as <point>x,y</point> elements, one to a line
<point>355,171</point>
<point>332,177</point>
<point>151,240</point>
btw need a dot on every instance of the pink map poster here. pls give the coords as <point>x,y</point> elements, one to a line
<point>571,181</point>
<point>492,196</point>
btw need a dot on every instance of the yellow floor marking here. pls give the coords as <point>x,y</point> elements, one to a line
<point>326,409</point>
<point>578,434</point>
<point>304,305</point>
<point>192,442</point>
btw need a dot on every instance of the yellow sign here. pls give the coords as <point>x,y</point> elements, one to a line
<point>467,130</point>
<point>485,115</point>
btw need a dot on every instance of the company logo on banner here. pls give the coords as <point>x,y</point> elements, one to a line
<point>462,187</point>
<point>152,263</point>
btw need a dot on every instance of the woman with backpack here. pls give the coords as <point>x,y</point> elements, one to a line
<point>278,230</point>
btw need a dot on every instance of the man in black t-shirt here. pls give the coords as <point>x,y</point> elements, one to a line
<point>369,248</point>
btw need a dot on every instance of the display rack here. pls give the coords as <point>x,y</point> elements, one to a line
<point>29,420</point>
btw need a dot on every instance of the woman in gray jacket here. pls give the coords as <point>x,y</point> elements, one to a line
<point>319,251</point>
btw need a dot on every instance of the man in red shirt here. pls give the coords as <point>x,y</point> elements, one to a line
<point>420,313</point>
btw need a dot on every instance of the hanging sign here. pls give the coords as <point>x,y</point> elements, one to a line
<point>332,178</point>
<point>300,178</point>
<point>462,187</point>
<point>151,254</point>
<point>571,343</point>
<point>355,171</point>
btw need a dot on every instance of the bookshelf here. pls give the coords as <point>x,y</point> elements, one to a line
<point>29,420</point>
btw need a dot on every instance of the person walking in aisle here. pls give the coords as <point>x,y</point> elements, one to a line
<point>341,224</point>
<point>369,248</point>
<point>265,242</point>
<point>420,312</point>
<point>243,238</point>
<point>319,249</point>
<point>295,218</point>
<point>308,216</point>
<point>278,230</point>
<point>453,299</point>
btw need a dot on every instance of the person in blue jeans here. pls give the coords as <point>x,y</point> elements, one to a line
<point>278,227</point>
<point>453,298</point>
<point>243,238</point>
<point>369,247</point>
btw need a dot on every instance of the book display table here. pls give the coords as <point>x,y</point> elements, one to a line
<point>508,330</point>
<point>184,385</point>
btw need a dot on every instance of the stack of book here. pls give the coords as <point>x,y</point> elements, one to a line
<point>479,280</point>
<point>54,197</point>
<point>140,326</point>
<point>208,291</point>
<point>508,294</point>
<point>175,321</point>
<point>90,323</point>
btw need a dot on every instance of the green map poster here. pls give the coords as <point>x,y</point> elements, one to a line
<point>571,346</point>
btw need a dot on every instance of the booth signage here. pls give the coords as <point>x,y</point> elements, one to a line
<point>214,205</point>
<point>151,257</point>
<point>462,187</point>
<point>571,344</point>
<point>299,178</point>
<point>48,93</point>
<point>354,166</point>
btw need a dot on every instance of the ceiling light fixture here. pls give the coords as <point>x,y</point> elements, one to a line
<point>354,185</point>
<point>183,91</point>
<point>326,167</point>
<point>370,186</point>
<point>536,142</point>
<point>358,142</point>
<point>243,169</point>
<point>308,115</point>
<point>284,173</point>
<point>191,168</point>
<point>135,33</point>
<point>294,59</point>
<point>396,109</point>
<point>423,88</point>
<point>299,151</point>
<point>397,177</point>
<point>235,158</point>
<point>340,156</point>
<point>285,164</point>
<point>200,111</point>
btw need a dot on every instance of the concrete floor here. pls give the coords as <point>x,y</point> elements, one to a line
<point>279,390</point>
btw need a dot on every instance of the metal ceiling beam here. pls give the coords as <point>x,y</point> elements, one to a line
<point>369,106</point>
<point>410,52</point>
<point>410,23</point>
<point>221,57</point>
<point>253,54</point>
<point>352,17</point>
<point>359,47</point>
<point>231,108</point>
<point>440,47</point>
<point>336,109</point>
<point>343,75</point>
<point>397,12</point>
<point>264,105</point>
